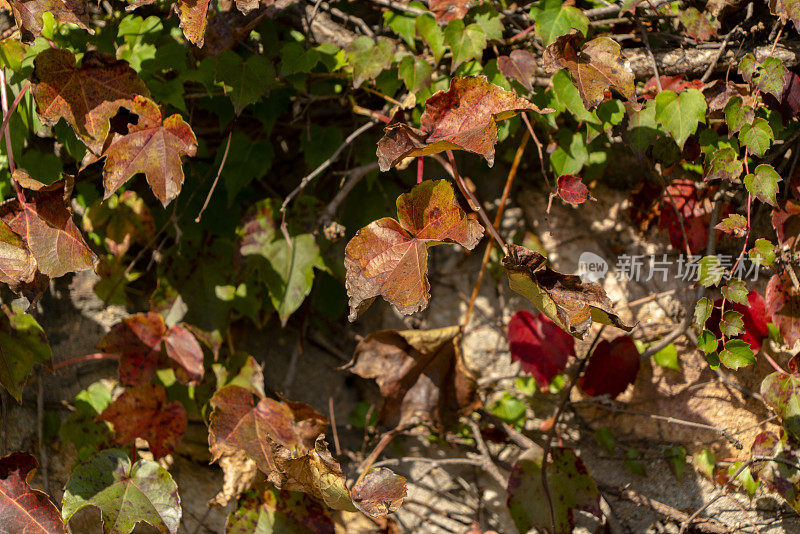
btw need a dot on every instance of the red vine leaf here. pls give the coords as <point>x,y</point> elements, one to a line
<point>693,207</point>
<point>571,190</point>
<point>783,306</point>
<point>568,301</point>
<point>379,493</point>
<point>144,412</point>
<point>421,376</point>
<point>449,10</point>
<point>44,222</point>
<point>86,96</point>
<point>519,65</point>
<point>389,257</point>
<point>595,68</point>
<point>464,117</point>
<point>28,15</point>
<point>183,349</point>
<point>24,509</point>
<point>539,345</point>
<point>153,146</point>
<point>698,25</point>
<point>612,367</point>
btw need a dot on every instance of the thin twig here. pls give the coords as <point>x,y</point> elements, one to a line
<point>646,41</point>
<point>386,438</point>
<point>718,55</point>
<point>475,204</point>
<point>497,219</point>
<point>86,358</point>
<point>333,426</point>
<point>488,464</point>
<point>44,462</point>
<point>216,178</point>
<point>7,134</point>
<point>14,104</point>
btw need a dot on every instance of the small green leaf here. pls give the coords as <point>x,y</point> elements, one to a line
<point>680,114</point>
<point>568,94</point>
<point>712,359</point>
<point>415,73</point>
<point>676,458</point>
<point>23,344</point>
<point>770,77</point>
<point>605,438</point>
<point>554,18</point>
<point>402,25</point>
<point>430,31</point>
<point>738,114</point>
<point>702,311</point>
<point>369,58</point>
<point>465,42</point>
<point>705,461</point>
<point>724,164</point>
<point>735,225</point>
<point>763,184</point>
<point>246,81</point>
<point>748,66</point>
<point>731,324</point>
<point>707,342</point>
<point>745,478</point>
<point>633,463</point>
<point>736,291</point>
<point>756,136</point>
<point>737,353</point>
<point>709,271</point>
<point>763,252</point>
<point>668,357</point>
<point>508,408</point>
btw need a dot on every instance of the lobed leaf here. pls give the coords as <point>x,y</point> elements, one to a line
<point>519,65</point>
<point>571,190</point>
<point>554,18</point>
<point>681,113</point>
<point>379,492</point>
<point>28,15</point>
<point>22,508</point>
<point>541,346</point>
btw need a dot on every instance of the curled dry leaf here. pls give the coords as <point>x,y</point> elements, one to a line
<point>17,265</point>
<point>380,492</point>
<point>464,117</point>
<point>44,222</point>
<point>595,68</point>
<point>144,412</point>
<point>421,375</point>
<point>612,367</point>
<point>519,65</point>
<point>23,509</point>
<point>389,257</point>
<point>568,301</point>
<point>783,306</point>
<point>154,147</point>
<point>539,345</point>
<point>28,15</point>
<point>86,97</point>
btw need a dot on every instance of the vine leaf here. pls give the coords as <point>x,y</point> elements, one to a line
<point>756,136</point>
<point>193,15</point>
<point>612,367</point>
<point>735,224</point>
<point>783,306</point>
<point>144,412</point>
<point>286,269</point>
<point>464,117</point>
<point>295,512</point>
<point>519,65</point>
<point>693,214</point>
<point>737,114</point>
<point>771,76</point>
<point>540,346</point>
<point>86,97</point>
<point>681,113</point>
<point>248,80</point>
<point>781,392</point>
<point>284,439</point>
<point>595,68</point>
<point>17,265</point>
<point>568,301</point>
<point>421,376</point>
<point>554,18</point>
<point>28,15</point>
<point>449,10</point>
<point>23,344</point>
<point>137,339</point>
<point>125,494</point>
<point>724,165</point>
<point>25,509</point>
<point>44,222</point>
<point>123,220</point>
<point>763,184</point>
<point>466,42</point>
<point>698,25</point>
<point>389,257</point>
<point>379,493</point>
<point>153,146</point>
<point>779,476</point>
<point>570,488</point>
<point>369,57</point>
<point>786,222</point>
<point>571,190</point>
<point>786,10</point>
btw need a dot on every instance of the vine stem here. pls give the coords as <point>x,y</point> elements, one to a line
<point>85,358</point>
<point>386,438</point>
<point>548,445</point>
<point>7,133</point>
<point>512,173</point>
<point>216,179</point>
<point>476,206</point>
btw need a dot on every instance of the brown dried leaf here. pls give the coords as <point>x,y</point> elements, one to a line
<point>462,118</point>
<point>17,265</point>
<point>421,375</point>
<point>86,96</point>
<point>153,146</point>
<point>595,68</point>
<point>28,15</point>
<point>389,257</point>
<point>519,65</point>
<point>568,301</point>
<point>380,492</point>
<point>449,10</point>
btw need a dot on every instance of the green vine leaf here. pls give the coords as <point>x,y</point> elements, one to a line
<point>756,136</point>
<point>681,113</point>
<point>763,184</point>
<point>466,42</point>
<point>369,58</point>
<point>554,18</point>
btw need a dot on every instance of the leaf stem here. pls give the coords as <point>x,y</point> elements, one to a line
<point>476,206</point>
<point>6,118</point>
<point>85,358</point>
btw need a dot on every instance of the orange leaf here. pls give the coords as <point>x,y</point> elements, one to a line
<point>153,146</point>
<point>389,257</point>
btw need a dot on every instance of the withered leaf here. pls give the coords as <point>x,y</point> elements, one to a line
<point>86,96</point>
<point>464,117</point>
<point>568,301</point>
<point>421,375</point>
<point>448,10</point>
<point>519,65</point>
<point>389,257</point>
<point>144,412</point>
<point>193,16</point>
<point>17,265</point>
<point>595,68</point>
<point>153,146</point>
<point>28,15</point>
<point>380,492</point>
<point>44,222</point>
